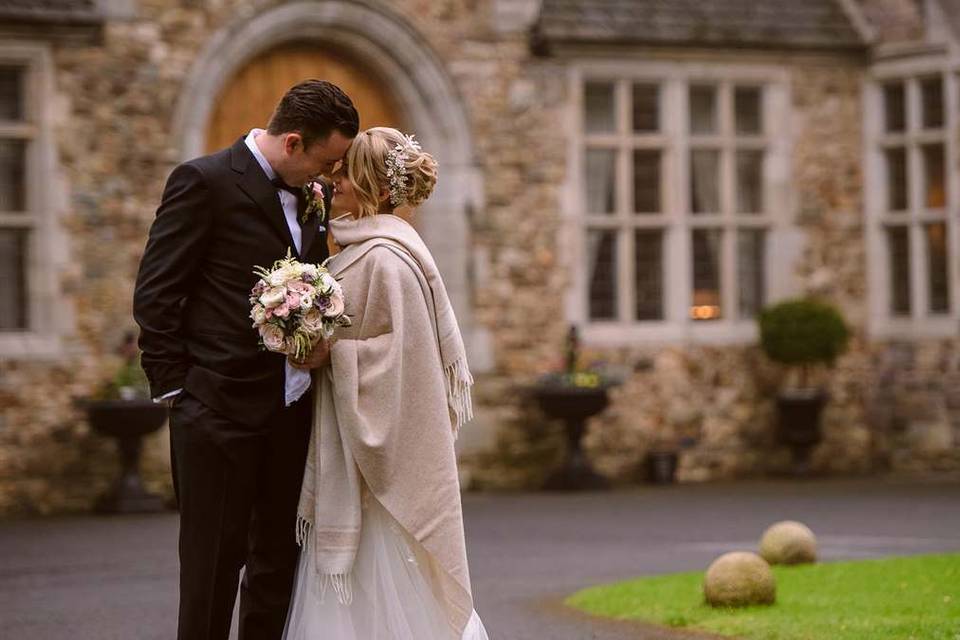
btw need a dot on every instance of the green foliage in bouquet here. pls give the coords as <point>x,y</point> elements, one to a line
<point>803,332</point>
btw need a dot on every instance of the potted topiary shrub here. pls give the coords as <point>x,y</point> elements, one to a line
<point>802,333</point>
<point>122,409</point>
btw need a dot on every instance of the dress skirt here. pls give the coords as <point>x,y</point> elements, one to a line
<point>392,594</point>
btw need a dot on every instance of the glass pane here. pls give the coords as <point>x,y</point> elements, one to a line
<point>601,180</point>
<point>931,92</point>
<point>898,244</point>
<point>11,93</point>
<point>602,274</point>
<point>646,181</point>
<point>648,273</point>
<point>937,267</point>
<point>13,280</point>
<point>703,109</point>
<point>646,107</point>
<point>599,113</point>
<point>896,179</point>
<point>706,274</point>
<point>894,106</point>
<point>934,188</point>
<point>747,111</point>
<point>749,181</point>
<point>13,158</point>
<point>751,254</point>
<point>705,181</point>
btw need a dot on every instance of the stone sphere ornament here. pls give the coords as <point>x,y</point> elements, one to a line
<point>739,579</point>
<point>788,542</point>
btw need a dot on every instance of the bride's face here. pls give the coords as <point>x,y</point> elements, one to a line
<point>344,200</point>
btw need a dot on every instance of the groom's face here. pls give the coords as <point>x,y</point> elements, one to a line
<point>301,165</point>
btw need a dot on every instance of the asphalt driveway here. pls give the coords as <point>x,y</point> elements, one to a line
<point>92,578</point>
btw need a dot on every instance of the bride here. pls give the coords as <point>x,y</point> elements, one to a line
<point>380,523</point>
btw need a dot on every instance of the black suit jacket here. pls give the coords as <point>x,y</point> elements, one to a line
<point>219,218</point>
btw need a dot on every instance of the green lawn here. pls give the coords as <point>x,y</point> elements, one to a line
<point>915,598</point>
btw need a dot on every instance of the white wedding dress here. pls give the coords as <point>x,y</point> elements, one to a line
<point>392,596</point>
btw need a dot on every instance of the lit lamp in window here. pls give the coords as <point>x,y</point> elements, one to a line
<point>706,304</point>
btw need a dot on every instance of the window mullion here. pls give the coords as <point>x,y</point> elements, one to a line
<point>18,130</point>
<point>729,287</point>
<point>17,221</point>
<point>624,206</point>
<point>677,266</point>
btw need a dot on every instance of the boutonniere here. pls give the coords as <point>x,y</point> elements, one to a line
<point>313,192</point>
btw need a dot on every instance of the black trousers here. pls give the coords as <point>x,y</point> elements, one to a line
<point>238,490</point>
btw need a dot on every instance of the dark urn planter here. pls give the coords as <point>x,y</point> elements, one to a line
<point>799,412</point>
<point>662,466</point>
<point>127,421</point>
<point>573,405</point>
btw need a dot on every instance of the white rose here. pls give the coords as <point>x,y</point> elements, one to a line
<point>282,275</point>
<point>327,284</point>
<point>258,314</point>
<point>274,296</point>
<point>310,271</point>
<point>272,336</point>
<point>335,308</point>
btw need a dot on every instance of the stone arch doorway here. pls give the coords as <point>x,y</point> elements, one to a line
<point>248,99</point>
<point>425,100</point>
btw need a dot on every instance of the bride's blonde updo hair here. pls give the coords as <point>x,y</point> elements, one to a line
<point>384,158</point>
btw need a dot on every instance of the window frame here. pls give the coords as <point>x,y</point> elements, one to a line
<point>48,314</point>
<point>674,79</point>
<point>921,322</point>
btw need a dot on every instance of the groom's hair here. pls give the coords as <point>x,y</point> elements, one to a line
<point>315,109</point>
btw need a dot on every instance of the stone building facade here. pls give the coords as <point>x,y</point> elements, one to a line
<point>653,173</point>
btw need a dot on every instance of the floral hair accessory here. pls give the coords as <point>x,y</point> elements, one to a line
<point>397,169</point>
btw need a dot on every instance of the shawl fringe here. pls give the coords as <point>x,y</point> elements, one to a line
<point>459,380</point>
<point>341,583</point>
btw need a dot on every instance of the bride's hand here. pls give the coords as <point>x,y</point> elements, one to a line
<point>318,356</point>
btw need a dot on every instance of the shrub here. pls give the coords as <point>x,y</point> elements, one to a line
<point>803,332</point>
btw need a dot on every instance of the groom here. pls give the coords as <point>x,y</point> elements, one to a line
<point>237,450</point>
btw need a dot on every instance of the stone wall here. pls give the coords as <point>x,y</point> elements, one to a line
<point>115,105</point>
<point>892,406</point>
<point>115,102</point>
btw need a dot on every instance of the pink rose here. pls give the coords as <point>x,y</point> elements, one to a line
<point>258,314</point>
<point>281,311</point>
<point>317,190</point>
<point>313,321</point>
<point>272,336</point>
<point>300,287</point>
<point>334,306</point>
<point>293,301</point>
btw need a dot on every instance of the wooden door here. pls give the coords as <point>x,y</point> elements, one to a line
<point>250,97</point>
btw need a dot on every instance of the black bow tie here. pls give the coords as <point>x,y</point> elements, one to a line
<point>280,184</point>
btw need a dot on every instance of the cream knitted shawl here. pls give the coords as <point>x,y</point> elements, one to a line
<point>388,409</point>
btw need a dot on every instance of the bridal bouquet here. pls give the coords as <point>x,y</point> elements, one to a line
<point>293,304</point>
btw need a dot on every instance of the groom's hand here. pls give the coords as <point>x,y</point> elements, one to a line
<point>318,356</point>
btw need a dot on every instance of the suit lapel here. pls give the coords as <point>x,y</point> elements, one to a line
<point>254,182</point>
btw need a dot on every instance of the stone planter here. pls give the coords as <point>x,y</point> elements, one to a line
<point>662,466</point>
<point>573,405</point>
<point>800,412</point>
<point>127,421</point>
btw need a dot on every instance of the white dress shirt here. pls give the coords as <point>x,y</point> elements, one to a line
<point>296,381</point>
